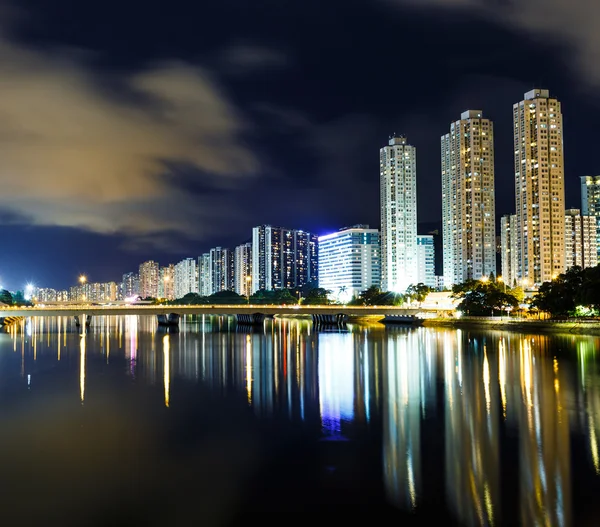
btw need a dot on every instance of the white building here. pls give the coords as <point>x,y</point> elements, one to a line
<point>508,249</point>
<point>204,278</point>
<point>186,279</point>
<point>242,262</point>
<point>590,202</point>
<point>426,261</point>
<point>349,261</point>
<point>398,187</point>
<point>539,188</point>
<point>468,202</point>
<point>580,240</point>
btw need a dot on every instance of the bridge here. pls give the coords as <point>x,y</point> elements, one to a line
<point>245,314</point>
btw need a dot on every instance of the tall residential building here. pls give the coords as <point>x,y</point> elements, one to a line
<point>221,270</point>
<point>204,278</point>
<point>283,258</point>
<point>398,189</point>
<point>468,201</point>
<point>149,274</point>
<point>581,246</point>
<point>508,249</point>
<point>243,269</point>
<point>186,278</point>
<point>130,286</point>
<point>539,187</point>
<point>349,261</point>
<point>590,202</point>
<point>166,282</point>
<point>426,261</point>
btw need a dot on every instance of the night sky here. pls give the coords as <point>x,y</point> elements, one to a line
<point>135,130</point>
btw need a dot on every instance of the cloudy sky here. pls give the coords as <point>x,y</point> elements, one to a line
<point>133,130</point>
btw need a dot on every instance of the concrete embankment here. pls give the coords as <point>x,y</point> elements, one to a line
<point>587,327</point>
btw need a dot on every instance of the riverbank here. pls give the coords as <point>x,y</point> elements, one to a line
<point>587,327</point>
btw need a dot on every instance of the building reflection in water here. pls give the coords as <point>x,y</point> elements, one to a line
<point>403,384</point>
<point>590,386</point>
<point>544,441</point>
<point>471,417</point>
<point>336,381</point>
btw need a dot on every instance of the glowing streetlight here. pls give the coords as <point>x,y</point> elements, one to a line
<point>82,279</point>
<point>484,279</point>
<point>501,280</point>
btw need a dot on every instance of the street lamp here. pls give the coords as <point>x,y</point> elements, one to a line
<point>248,280</point>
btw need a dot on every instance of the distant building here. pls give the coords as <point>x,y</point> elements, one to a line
<point>425,260</point>
<point>590,202</point>
<point>398,189</point>
<point>242,262</point>
<point>221,270</point>
<point>540,191</point>
<point>149,275</point>
<point>349,261</point>
<point>580,240</point>
<point>130,286</point>
<point>186,279</point>
<point>166,282</point>
<point>508,249</point>
<point>204,277</point>
<point>283,258</point>
<point>468,200</point>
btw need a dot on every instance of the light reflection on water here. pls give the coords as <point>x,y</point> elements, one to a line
<point>532,394</point>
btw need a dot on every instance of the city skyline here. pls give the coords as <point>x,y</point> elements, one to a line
<point>264,125</point>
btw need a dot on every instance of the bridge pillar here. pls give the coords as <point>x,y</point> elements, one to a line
<point>83,321</point>
<point>172,319</point>
<point>338,319</point>
<point>254,319</point>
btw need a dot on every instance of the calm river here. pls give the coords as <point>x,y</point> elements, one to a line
<point>221,425</point>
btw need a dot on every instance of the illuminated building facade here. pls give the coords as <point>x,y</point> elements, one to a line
<point>221,270</point>
<point>204,279</point>
<point>508,249</point>
<point>243,269</point>
<point>468,201</point>
<point>539,187</point>
<point>398,191</point>
<point>426,260</point>
<point>581,248</point>
<point>149,276</point>
<point>283,258</point>
<point>166,283</point>
<point>590,202</point>
<point>349,261</point>
<point>186,278</point>
<point>130,286</point>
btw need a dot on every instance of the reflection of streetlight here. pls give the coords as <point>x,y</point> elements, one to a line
<point>248,280</point>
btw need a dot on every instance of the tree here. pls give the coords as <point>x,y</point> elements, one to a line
<point>226,297</point>
<point>559,297</point>
<point>317,296</point>
<point>6,297</point>
<point>373,296</point>
<point>418,292</point>
<point>479,298</point>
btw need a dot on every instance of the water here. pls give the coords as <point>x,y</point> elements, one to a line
<point>218,424</point>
